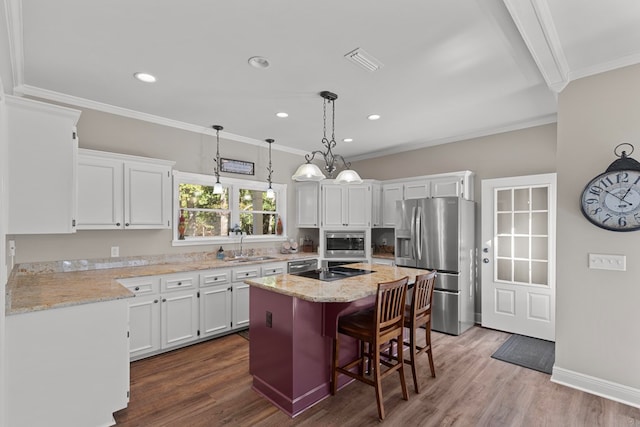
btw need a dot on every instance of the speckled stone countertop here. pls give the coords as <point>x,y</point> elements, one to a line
<point>46,285</point>
<point>344,290</point>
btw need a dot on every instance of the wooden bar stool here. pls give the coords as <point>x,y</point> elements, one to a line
<point>417,315</point>
<point>374,327</point>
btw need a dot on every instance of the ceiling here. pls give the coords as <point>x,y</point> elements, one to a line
<point>451,69</point>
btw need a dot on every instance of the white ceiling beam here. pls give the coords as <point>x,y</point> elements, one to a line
<point>534,21</point>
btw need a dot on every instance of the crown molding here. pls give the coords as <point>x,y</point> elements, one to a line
<point>603,67</point>
<point>544,120</point>
<point>13,10</point>
<point>27,90</point>
<point>535,23</point>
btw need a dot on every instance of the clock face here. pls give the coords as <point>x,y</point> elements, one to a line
<point>612,200</point>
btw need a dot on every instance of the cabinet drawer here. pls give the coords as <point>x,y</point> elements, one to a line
<point>178,281</point>
<point>215,277</point>
<point>142,285</point>
<point>274,269</point>
<point>240,274</point>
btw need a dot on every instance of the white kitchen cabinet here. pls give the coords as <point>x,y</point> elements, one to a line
<point>376,204</point>
<point>42,176</point>
<point>240,291</point>
<point>273,269</point>
<point>418,189</point>
<point>117,191</point>
<point>307,204</point>
<point>382,261</point>
<point>391,193</point>
<point>144,325</point>
<point>179,318</point>
<point>459,184</point>
<point>215,302</point>
<point>346,205</point>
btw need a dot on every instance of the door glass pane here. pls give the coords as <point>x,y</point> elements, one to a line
<point>539,273</point>
<point>504,270</point>
<point>521,247</point>
<point>539,199</point>
<point>539,223</point>
<point>521,221</point>
<point>504,224</point>
<point>503,200</point>
<point>521,199</point>
<point>539,248</point>
<point>504,247</point>
<point>521,271</point>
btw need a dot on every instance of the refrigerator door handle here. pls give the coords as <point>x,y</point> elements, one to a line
<point>419,233</point>
<point>413,233</point>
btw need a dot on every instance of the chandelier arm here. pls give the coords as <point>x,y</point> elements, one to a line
<point>346,164</point>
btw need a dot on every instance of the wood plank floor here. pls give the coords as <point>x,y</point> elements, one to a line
<point>208,384</point>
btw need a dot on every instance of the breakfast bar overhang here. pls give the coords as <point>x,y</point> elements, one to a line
<point>293,323</point>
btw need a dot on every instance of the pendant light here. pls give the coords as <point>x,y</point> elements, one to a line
<point>217,187</point>
<point>270,193</point>
<point>309,171</point>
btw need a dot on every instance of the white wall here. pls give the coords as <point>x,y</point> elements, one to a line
<point>3,255</point>
<point>598,311</point>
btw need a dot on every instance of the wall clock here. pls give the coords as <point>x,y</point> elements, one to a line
<point>611,200</point>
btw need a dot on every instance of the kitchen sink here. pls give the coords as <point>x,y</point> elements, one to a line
<point>251,258</point>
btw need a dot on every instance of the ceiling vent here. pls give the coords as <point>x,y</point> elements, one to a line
<point>364,60</point>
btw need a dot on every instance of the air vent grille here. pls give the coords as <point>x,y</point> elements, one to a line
<point>364,60</point>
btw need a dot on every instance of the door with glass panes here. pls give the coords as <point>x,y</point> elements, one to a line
<point>518,255</point>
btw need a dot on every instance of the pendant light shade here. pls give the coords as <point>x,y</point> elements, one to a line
<point>217,187</point>
<point>311,172</point>
<point>308,172</point>
<point>348,176</point>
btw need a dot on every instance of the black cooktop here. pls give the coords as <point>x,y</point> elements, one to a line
<point>333,273</point>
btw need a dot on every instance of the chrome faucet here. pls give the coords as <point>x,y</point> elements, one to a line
<point>241,239</point>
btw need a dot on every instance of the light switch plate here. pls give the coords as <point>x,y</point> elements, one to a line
<point>608,262</point>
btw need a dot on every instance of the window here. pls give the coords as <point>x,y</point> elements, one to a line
<point>219,218</point>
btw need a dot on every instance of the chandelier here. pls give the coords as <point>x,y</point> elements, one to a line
<point>309,171</point>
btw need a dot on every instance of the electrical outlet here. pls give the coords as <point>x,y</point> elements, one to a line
<point>384,242</point>
<point>269,320</point>
<point>115,251</point>
<point>12,248</point>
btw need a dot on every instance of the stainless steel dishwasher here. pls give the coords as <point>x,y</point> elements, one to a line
<point>302,265</point>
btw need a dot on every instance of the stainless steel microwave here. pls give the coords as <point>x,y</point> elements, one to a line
<point>344,244</point>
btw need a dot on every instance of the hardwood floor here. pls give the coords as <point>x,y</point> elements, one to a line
<point>208,384</point>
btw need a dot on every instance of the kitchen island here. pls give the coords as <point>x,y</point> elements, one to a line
<point>293,324</point>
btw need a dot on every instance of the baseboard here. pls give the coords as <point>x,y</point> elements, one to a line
<point>607,389</point>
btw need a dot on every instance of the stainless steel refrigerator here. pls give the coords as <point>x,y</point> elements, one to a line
<point>438,234</point>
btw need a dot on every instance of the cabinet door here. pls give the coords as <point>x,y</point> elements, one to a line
<point>376,205</point>
<point>274,269</point>
<point>391,193</point>
<point>144,325</point>
<point>307,204</point>
<point>382,261</point>
<point>147,196</point>
<point>358,201</point>
<point>240,305</point>
<point>417,189</point>
<point>100,193</point>
<point>179,318</point>
<point>446,186</point>
<point>215,310</point>
<point>333,214</point>
<point>42,180</point>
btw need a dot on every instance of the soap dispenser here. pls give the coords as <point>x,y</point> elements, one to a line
<point>220,253</point>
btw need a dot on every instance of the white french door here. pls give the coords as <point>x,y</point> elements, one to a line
<point>518,255</point>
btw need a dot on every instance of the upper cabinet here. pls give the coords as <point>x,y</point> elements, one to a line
<point>376,204</point>
<point>43,148</point>
<point>345,205</point>
<point>307,204</point>
<point>116,191</point>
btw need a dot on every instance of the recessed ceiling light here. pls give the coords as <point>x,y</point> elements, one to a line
<point>374,117</point>
<point>282,115</point>
<point>347,140</point>
<point>145,77</point>
<point>259,62</point>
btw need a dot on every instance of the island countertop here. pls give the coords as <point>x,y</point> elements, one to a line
<point>348,289</point>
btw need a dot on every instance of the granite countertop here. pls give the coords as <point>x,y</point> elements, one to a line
<point>344,290</point>
<point>42,286</point>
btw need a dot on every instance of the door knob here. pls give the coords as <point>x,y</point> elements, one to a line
<point>485,260</point>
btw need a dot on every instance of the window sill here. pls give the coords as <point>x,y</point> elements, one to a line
<point>233,239</point>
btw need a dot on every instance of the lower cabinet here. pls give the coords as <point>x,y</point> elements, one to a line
<point>176,309</point>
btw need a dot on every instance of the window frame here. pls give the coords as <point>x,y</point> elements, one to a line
<point>232,185</point>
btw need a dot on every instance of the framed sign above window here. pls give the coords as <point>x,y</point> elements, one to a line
<point>237,166</point>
